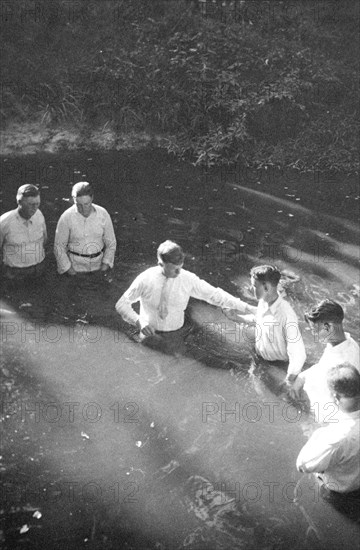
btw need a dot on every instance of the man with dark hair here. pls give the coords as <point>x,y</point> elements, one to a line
<point>84,239</point>
<point>23,236</point>
<point>164,292</point>
<point>326,322</point>
<point>333,452</point>
<point>278,336</point>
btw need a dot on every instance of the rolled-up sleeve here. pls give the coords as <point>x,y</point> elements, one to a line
<point>131,296</point>
<point>61,241</point>
<point>316,455</point>
<point>109,242</point>
<point>216,296</point>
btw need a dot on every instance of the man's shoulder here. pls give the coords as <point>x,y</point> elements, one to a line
<point>150,274</point>
<point>352,342</point>
<point>101,210</point>
<point>8,216</point>
<point>39,216</point>
<point>189,275</point>
<point>68,213</point>
<point>331,435</point>
<point>286,309</point>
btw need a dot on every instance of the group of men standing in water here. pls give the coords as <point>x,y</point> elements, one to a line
<point>85,242</point>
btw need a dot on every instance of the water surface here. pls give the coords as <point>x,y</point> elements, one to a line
<point>120,446</point>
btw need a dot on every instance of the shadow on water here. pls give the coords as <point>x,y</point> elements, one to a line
<point>156,450</point>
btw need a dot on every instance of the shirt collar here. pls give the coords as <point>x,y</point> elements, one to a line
<point>23,220</point>
<point>346,415</point>
<point>265,307</point>
<point>344,343</point>
<point>92,213</point>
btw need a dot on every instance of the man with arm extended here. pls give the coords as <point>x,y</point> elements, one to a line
<point>23,236</point>
<point>84,240</point>
<point>326,323</point>
<point>278,336</point>
<point>164,292</point>
<point>333,452</point>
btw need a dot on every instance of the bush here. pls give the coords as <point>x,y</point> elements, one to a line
<point>257,82</point>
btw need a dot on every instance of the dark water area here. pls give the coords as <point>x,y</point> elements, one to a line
<point>106,443</point>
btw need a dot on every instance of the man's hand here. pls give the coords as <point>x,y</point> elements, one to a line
<point>104,267</point>
<point>231,314</point>
<point>290,380</point>
<point>147,330</point>
<point>71,271</point>
<point>295,387</point>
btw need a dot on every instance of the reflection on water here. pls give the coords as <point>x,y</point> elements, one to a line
<point>110,440</point>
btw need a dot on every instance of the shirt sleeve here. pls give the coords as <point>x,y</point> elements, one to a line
<point>44,229</point>
<point>317,454</point>
<point>2,235</point>
<point>124,304</point>
<point>109,241</point>
<point>294,345</point>
<point>216,296</point>
<point>62,236</point>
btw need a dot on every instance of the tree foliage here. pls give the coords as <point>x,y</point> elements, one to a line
<point>261,83</point>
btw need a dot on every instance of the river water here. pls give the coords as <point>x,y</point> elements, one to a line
<point>109,444</point>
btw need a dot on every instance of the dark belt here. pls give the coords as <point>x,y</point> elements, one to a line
<point>95,255</point>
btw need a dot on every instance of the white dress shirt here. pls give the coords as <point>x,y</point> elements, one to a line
<point>334,452</point>
<point>278,337</point>
<point>22,241</point>
<point>85,236</point>
<point>147,288</point>
<point>315,378</point>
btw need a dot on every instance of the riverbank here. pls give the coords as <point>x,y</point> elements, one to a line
<point>31,138</point>
<point>255,87</point>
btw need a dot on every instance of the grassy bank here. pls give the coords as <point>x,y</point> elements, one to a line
<point>257,83</point>
<point>29,138</point>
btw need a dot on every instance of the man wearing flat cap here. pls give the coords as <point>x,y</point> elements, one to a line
<point>23,236</point>
<point>84,240</point>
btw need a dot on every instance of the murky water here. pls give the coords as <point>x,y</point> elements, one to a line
<point>117,445</point>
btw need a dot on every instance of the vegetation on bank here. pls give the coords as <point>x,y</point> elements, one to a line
<point>253,82</point>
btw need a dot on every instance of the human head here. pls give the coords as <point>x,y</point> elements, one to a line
<point>28,199</point>
<point>264,280</point>
<point>344,383</point>
<point>83,194</point>
<point>170,258</point>
<point>326,318</point>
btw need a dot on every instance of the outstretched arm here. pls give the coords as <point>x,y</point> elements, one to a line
<point>219,297</point>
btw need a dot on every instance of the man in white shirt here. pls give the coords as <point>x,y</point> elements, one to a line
<point>333,452</point>
<point>84,240</point>
<point>326,323</point>
<point>23,236</point>
<point>164,292</point>
<point>277,333</point>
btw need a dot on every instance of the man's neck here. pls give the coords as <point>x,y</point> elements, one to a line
<point>337,336</point>
<point>349,404</point>
<point>22,215</point>
<point>271,298</point>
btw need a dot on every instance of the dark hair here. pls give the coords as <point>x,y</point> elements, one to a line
<point>82,189</point>
<point>327,311</point>
<point>27,190</point>
<point>266,274</point>
<point>170,252</point>
<point>344,379</point>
